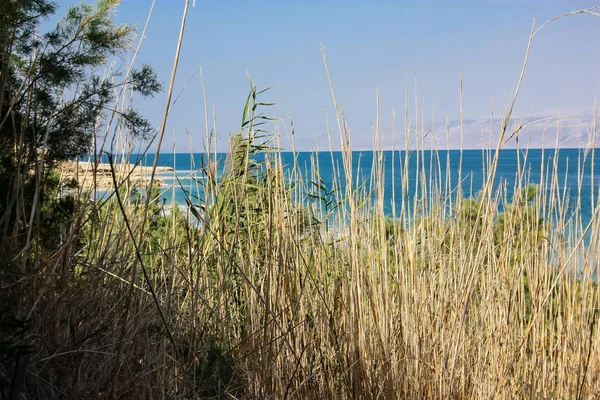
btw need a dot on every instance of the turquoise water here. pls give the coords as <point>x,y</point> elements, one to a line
<point>188,176</point>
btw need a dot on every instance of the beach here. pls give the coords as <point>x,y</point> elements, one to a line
<point>83,172</point>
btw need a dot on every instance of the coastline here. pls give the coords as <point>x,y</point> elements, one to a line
<point>83,173</point>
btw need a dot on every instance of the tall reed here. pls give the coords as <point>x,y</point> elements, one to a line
<point>269,284</point>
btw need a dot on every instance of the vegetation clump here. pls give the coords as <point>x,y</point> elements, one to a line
<point>267,283</point>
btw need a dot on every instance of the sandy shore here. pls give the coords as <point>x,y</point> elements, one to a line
<point>83,172</point>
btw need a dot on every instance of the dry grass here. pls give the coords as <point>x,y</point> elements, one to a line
<point>259,300</point>
<point>259,303</point>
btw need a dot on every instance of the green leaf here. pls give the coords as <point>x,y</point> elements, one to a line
<point>193,210</point>
<point>269,88</point>
<point>246,109</point>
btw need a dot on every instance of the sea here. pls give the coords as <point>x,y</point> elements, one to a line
<point>577,173</point>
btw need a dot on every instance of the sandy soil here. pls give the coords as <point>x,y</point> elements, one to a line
<point>83,172</point>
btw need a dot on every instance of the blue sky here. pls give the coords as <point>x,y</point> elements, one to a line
<point>369,44</point>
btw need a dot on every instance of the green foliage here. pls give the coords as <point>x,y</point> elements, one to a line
<point>520,219</point>
<point>155,208</point>
<point>64,60</point>
<point>54,98</point>
<point>242,191</point>
<point>516,230</point>
<point>392,228</point>
<point>18,21</point>
<point>323,197</point>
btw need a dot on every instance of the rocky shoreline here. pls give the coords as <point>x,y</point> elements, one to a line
<point>83,173</point>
